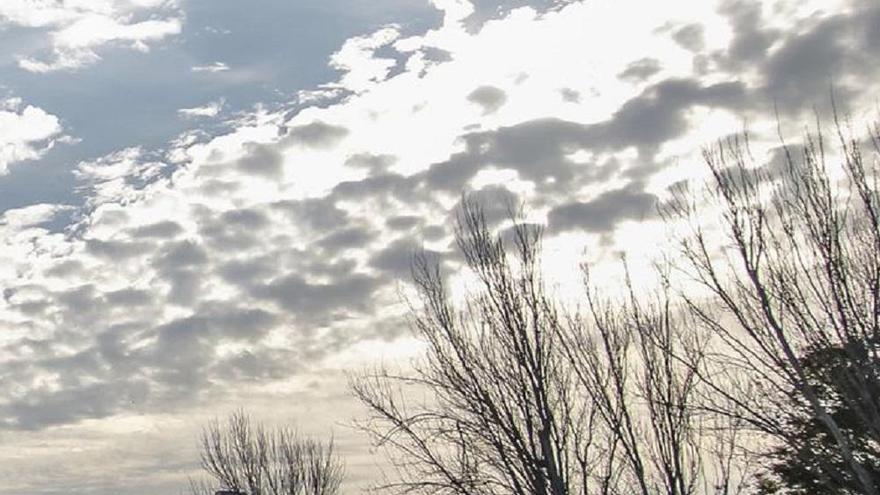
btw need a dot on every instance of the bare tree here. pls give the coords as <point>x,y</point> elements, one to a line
<point>501,416</point>
<point>246,457</point>
<point>523,398</point>
<point>798,270</point>
<point>624,354</point>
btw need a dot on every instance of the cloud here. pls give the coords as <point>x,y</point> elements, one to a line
<point>357,62</point>
<point>602,214</point>
<point>691,36</point>
<point>76,30</point>
<point>641,69</point>
<point>488,97</point>
<point>211,68</point>
<point>316,134</point>
<point>26,133</point>
<point>209,110</point>
<point>237,261</point>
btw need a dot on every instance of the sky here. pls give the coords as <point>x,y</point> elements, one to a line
<point>213,204</point>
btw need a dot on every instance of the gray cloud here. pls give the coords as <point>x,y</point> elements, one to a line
<point>402,222</point>
<point>247,272</point>
<point>539,149</point>
<point>315,135</point>
<point>160,230</point>
<point>641,69</point>
<point>751,39</point>
<point>181,254</point>
<point>317,301</point>
<point>261,159</point>
<point>375,164</point>
<point>488,97</point>
<point>233,230</point>
<point>129,297</point>
<point>350,237</point>
<point>389,184</point>
<point>116,250</point>
<point>318,214</point>
<point>802,71</point>
<point>691,37</point>
<point>44,408</point>
<point>570,95</point>
<point>496,201</point>
<point>396,258</point>
<point>798,68</point>
<point>603,213</point>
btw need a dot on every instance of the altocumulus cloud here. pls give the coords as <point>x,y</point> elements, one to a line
<point>274,250</point>
<point>75,31</point>
<point>26,132</point>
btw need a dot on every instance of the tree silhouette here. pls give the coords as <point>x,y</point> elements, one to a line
<point>811,462</point>
<point>521,397</point>
<point>246,457</point>
<point>793,270</point>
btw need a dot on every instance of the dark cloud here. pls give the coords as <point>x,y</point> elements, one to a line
<point>65,268</point>
<point>116,250</point>
<point>603,213</point>
<point>488,97</point>
<point>396,258</point>
<point>129,297</point>
<point>433,54</point>
<point>347,238</point>
<point>246,272</point>
<point>247,218</point>
<point>402,222</point>
<point>802,71</point>
<point>387,184</point>
<point>185,285</point>
<point>44,408</point>
<point>434,232</point>
<point>658,114</point>
<point>539,150</point>
<point>237,229</point>
<point>261,159</point>
<point>375,164</point>
<point>319,214</point>
<point>160,230</point>
<point>640,70</point>
<point>258,365</point>
<point>691,37</point>
<point>181,254</point>
<point>496,202</point>
<point>216,187</point>
<point>570,95</point>
<point>317,301</point>
<point>799,67</point>
<point>751,39</point>
<point>315,135</point>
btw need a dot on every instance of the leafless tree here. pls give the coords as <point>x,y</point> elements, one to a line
<point>521,397</point>
<point>625,355</point>
<point>501,416</point>
<point>798,269</point>
<point>244,456</point>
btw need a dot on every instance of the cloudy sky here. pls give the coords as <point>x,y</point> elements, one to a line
<point>206,204</point>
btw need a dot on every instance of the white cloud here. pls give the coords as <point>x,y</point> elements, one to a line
<point>213,67</point>
<point>26,133</point>
<point>209,110</point>
<point>30,216</point>
<point>76,29</point>
<point>361,69</point>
